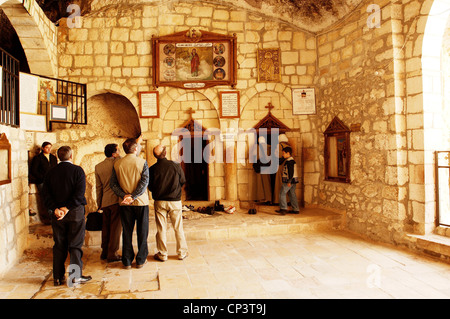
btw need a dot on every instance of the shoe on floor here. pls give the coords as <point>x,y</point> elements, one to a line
<point>181,257</point>
<point>138,266</point>
<point>81,280</point>
<point>159,258</point>
<point>281,211</point>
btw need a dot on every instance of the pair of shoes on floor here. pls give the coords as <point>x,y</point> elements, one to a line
<point>252,211</point>
<point>218,207</point>
<point>230,209</point>
<point>187,208</point>
<point>206,210</point>
<point>285,211</point>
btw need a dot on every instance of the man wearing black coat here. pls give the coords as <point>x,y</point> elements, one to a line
<point>40,165</point>
<point>64,188</point>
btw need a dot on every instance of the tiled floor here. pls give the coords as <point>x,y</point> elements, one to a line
<point>316,264</point>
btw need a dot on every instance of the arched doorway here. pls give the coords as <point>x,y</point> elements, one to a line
<point>436,105</point>
<point>196,109</point>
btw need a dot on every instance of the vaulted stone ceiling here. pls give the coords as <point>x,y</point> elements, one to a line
<point>312,15</point>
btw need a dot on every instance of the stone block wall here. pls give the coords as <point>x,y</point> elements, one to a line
<point>14,217</point>
<point>111,52</point>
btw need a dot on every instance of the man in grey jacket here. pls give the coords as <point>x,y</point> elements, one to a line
<point>108,203</point>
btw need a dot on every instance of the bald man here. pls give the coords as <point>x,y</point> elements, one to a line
<point>166,179</point>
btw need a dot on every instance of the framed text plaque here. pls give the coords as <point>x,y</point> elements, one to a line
<point>149,104</point>
<point>229,104</point>
<point>194,59</point>
<point>303,101</point>
<point>58,113</point>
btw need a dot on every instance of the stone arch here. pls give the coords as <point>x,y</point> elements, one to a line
<point>255,99</point>
<point>176,111</point>
<point>435,131</point>
<point>112,114</point>
<point>36,48</point>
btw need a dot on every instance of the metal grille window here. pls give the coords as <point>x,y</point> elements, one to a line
<point>72,97</point>
<point>9,97</point>
<point>443,187</point>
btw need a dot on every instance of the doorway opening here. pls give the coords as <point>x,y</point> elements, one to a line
<point>195,169</point>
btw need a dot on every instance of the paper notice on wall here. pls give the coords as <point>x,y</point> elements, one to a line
<point>28,87</point>
<point>31,122</point>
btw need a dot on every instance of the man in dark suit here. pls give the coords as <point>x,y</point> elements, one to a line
<point>40,165</point>
<point>64,188</point>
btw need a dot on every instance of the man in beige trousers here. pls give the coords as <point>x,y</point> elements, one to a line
<point>166,179</point>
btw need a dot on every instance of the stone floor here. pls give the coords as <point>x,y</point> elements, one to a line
<point>282,263</point>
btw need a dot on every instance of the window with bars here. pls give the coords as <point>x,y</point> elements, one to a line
<point>9,89</point>
<point>70,95</point>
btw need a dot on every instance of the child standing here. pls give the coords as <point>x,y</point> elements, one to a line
<point>289,182</point>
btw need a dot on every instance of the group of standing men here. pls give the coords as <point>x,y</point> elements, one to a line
<point>122,185</point>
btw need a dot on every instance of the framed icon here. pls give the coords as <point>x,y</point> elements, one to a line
<point>194,59</point>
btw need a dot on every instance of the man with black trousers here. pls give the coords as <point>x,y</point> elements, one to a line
<point>129,181</point>
<point>40,165</point>
<point>64,188</point>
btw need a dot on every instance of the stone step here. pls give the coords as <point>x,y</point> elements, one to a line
<point>221,225</point>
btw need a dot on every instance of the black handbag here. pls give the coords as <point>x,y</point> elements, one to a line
<point>94,221</point>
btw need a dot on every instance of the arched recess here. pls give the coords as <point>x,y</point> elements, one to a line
<point>33,43</point>
<point>436,134</point>
<point>112,115</point>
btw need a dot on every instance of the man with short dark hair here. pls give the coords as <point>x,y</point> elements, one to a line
<point>108,203</point>
<point>129,181</point>
<point>166,180</point>
<point>40,165</point>
<point>64,188</point>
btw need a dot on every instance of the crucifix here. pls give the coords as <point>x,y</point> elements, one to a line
<point>270,107</point>
<point>190,111</point>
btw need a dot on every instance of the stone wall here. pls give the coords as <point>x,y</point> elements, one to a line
<point>111,52</point>
<point>373,77</point>
<point>14,202</point>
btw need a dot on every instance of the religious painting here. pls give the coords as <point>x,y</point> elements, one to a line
<point>47,90</point>
<point>337,152</point>
<point>194,60</point>
<point>303,101</point>
<point>5,160</point>
<point>149,104</point>
<point>269,65</point>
